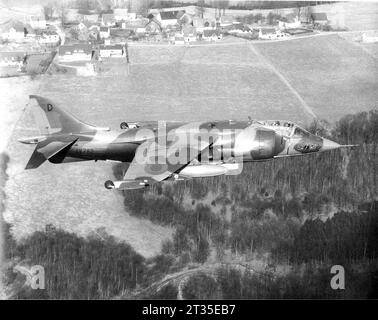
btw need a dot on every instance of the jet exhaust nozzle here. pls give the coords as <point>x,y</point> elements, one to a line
<point>109,184</point>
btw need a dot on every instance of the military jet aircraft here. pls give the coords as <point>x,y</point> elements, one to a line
<point>157,151</point>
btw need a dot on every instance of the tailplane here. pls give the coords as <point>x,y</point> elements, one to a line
<point>48,149</point>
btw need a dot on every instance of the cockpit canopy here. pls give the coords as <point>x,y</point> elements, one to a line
<point>299,132</point>
<point>304,141</point>
<point>284,127</point>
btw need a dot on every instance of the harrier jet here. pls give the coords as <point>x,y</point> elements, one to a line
<point>157,151</point>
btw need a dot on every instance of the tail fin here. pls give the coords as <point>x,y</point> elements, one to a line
<point>53,119</point>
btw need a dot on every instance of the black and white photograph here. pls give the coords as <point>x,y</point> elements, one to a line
<point>198,150</point>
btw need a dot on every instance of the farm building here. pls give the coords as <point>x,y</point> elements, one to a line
<point>37,22</point>
<point>104,32</point>
<point>113,51</point>
<point>75,52</point>
<point>211,35</point>
<point>121,14</point>
<point>108,20</point>
<point>319,18</point>
<point>71,16</point>
<point>89,18</point>
<point>169,17</point>
<point>238,28</point>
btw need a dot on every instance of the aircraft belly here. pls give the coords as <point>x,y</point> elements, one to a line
<point>124,152</point>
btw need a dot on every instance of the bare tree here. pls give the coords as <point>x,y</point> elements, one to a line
<point>223,5</point>
<point>62,13</point>
<point>201,7</point>
<point>48,10</point>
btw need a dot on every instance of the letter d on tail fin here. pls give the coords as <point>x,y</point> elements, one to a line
<point>53,119</point>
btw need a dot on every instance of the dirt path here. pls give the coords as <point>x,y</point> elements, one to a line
<point>179,278</point>
<point>303,103</point>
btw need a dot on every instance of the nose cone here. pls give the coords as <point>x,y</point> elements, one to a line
<point>329,145</point>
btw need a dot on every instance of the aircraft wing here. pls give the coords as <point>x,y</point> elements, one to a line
<point>156,162</point>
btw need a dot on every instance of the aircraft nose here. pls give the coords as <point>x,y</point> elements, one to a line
<point>329,145</point>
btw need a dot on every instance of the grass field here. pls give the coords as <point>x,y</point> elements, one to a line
<point>329,75</point>
<point>332,75</point>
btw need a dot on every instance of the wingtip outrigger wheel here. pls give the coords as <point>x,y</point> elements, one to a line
<point>124,125</point>
<point>109,184</point>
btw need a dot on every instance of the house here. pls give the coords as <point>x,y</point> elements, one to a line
<point>237,28</point>
<point>271,34</point>
<point>89,18</point>
<point>14,60</point>
<point>369,38</point>
<point>121,14</point>
<point>104,32</point>
<point>16,31</point>
<point>211,35</point>
<point>75,52</point>
<point>168,18</point>
<point>108,20</point>
<point>81,27</point>
<point>319,18</point>
<point>37,22</point>
<point>112,51</point>
<point>49,37</point>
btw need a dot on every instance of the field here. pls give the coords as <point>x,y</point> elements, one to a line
<point>323,76</point>
<point>332,75</point>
